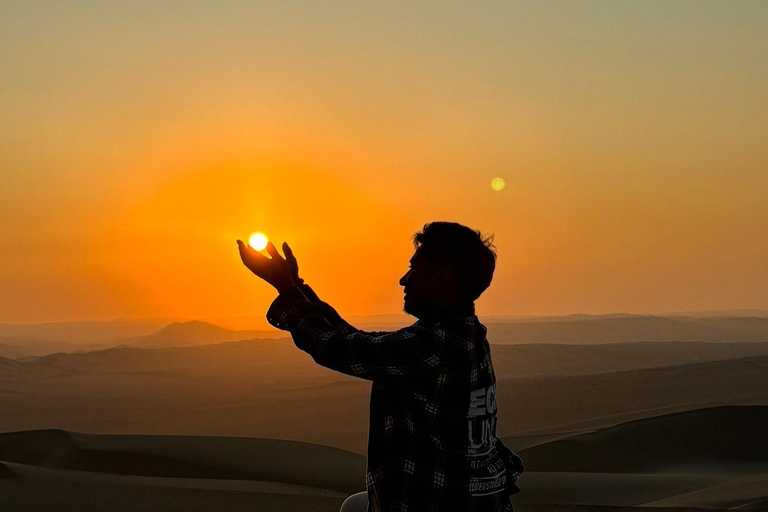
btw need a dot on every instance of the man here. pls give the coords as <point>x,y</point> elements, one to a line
<point>432,442</point>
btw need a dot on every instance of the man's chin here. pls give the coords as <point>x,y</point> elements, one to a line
<point>412,309</point>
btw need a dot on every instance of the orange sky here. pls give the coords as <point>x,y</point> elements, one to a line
<point>138,143</point>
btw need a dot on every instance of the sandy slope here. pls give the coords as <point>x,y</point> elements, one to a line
<point>62,471</point>
<point>34,496</point>
<point>713,458</point>
<point>748,493</point>
<point>607,489</point>
<point>716,439</point>
<point>36,473</point>
<point>290,462</point>
<point>270,389</point>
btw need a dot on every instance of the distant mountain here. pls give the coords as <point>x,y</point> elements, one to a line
<point>81,332</point>
<point>176,334</point>
<point>719,313</point>
<point>194,333</point>
<point>11,350</point>
<point>550,359</point>
<point>726,326</point>
<point>634,328</point>
<point>18,347</point>
<point>282,362</point>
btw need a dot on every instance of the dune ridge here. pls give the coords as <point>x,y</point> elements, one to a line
<point>711,439</point>
<point>667,461</point>
<point>210,457</point>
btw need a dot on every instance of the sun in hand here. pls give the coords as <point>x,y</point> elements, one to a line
<point>258,241</point>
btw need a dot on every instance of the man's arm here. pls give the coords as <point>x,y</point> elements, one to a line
<point>410,354</point>
<point>330,314</point>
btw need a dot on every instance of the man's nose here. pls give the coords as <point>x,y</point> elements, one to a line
<point>404,278</point>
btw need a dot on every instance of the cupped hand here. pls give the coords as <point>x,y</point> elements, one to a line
<point>275,270</point>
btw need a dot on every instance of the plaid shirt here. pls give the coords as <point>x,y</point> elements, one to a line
<point>432,442</point>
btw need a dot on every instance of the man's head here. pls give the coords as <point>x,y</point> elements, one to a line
<point>452,266</point>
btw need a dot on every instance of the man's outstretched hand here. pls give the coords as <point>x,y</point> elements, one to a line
<point>276,270</point>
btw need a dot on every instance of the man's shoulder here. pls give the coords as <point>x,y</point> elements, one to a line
<point>461,332</point>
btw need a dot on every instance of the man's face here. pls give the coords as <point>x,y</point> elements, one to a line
<point>423,284</point>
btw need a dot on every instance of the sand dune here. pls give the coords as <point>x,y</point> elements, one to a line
<point>290,462</point>
<point>112,472</point>
<point>35,473</point>
<point>268,388</point>
<point>717,439</point>
<point>607,489</point>
<point>663,436</point>
<point>6,472</point>
<point>550,405</point>
<point>749,493</point>
<point>35,496</point>
<point>710,458</point>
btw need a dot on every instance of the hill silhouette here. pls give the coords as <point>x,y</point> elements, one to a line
<point>18,341</point>
<point>549,359</point>
<point>192,333</point>
<point>632,328</point>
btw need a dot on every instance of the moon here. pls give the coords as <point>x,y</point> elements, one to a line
<point>498,184</point>
<point>258,241</point>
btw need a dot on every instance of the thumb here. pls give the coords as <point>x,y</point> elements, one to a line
<point>288,252</point>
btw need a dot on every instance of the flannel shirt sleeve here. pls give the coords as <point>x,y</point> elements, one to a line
<point>330,314</point>
<point>408,354</point>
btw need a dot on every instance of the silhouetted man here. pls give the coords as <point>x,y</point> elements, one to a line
<point>432,442</point>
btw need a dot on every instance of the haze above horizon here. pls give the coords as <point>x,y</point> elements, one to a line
<point>140,141</point>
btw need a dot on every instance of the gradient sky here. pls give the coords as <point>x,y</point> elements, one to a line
<point>138,142</point>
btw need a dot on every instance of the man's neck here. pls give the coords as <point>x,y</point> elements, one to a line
<point>453,311</point>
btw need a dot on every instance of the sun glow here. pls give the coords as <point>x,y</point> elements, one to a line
<point>258,241</point>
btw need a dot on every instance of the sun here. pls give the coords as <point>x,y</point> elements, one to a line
<point>497,184</point>
<point>258,241</point>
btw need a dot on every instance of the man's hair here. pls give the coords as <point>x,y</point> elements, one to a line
<point>471,257</point>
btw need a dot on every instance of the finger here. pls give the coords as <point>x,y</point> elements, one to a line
<point>288,252</point>
<point>272,250</point>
